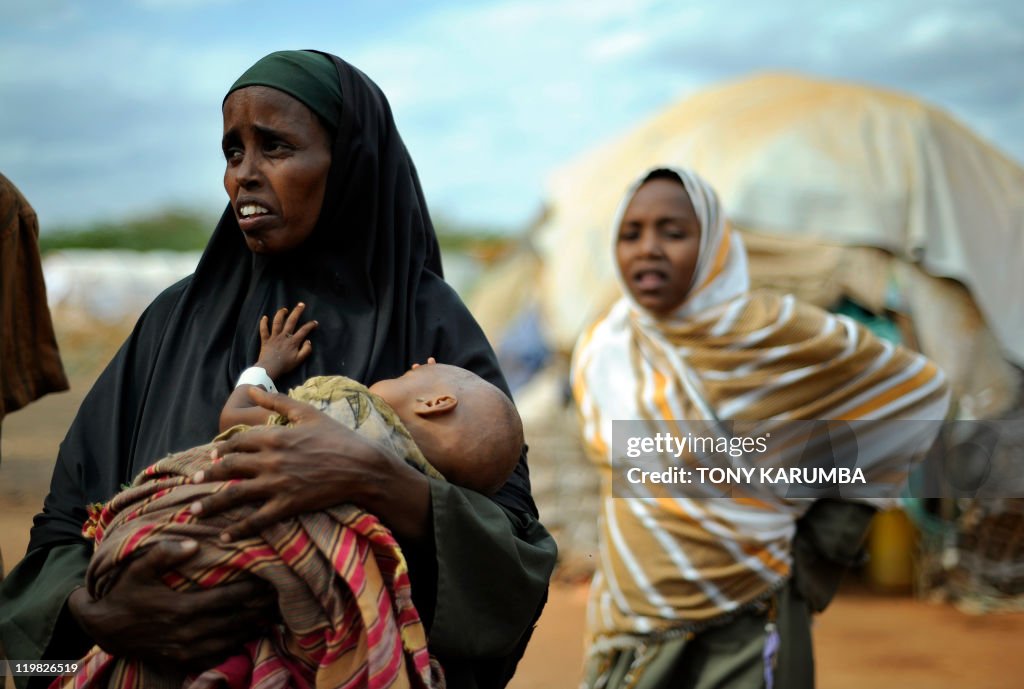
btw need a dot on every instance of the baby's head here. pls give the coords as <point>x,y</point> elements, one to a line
<point>467,428</point>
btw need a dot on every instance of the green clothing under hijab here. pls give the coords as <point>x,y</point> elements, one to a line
<point>306,76</point>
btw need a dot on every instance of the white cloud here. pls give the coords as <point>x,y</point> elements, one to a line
<point>178,4</point>
<point>942,28</point>
<point>618,46</point>
<point>527,17</point>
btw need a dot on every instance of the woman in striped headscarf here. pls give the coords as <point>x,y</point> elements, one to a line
<point>694,592</point>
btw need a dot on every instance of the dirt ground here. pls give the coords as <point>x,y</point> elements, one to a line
<point>864,640</point>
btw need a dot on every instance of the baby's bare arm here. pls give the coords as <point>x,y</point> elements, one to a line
<point>282,348</point>
<point>239,409</point>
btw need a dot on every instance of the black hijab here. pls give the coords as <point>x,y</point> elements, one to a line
<point>370,274</point>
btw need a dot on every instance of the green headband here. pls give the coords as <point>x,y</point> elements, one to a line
<point>309,77</point>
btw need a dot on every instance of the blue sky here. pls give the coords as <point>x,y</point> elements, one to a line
<point>112,108</point>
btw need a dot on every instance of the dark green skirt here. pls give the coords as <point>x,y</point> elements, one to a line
<point>726,656</point>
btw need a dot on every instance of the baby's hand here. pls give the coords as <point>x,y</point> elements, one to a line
<point>430,360</point>
<point>282,347</point>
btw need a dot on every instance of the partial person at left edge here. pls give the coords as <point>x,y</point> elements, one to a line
<point>30,365</point>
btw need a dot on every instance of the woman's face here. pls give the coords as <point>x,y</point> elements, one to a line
<point>658,245</point>
<point>278,154</point>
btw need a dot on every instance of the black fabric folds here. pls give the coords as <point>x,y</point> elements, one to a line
<point>370,274</point>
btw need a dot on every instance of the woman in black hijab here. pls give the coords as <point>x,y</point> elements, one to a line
<point>304,132</point>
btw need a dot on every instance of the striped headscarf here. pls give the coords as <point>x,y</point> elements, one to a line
<point>668,561</point>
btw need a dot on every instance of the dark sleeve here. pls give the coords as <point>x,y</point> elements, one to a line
<point>828,541</point>
<point>33,621</point>
<point>489,570</point>
<point>479,583</point>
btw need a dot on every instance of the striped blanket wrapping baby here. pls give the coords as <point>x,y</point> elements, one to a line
<point>342,583</point>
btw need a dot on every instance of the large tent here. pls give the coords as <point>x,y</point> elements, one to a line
<point>816,161</point>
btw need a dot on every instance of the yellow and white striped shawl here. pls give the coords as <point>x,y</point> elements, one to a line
<point>669,561</point>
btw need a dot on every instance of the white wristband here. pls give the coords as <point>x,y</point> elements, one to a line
<point>254,375</point>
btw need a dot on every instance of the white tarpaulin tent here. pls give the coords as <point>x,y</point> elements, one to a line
<point>789,155</point>
<point>111,285</point>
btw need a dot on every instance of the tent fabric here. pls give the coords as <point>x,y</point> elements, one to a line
<point>505,291</point>
<point>794,156</point>
<point>983,382</point>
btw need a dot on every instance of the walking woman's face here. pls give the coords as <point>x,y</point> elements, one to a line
<point>278,154</point>
<point>658,245</point>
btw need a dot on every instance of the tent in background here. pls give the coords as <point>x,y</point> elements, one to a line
<point>793,156</point>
